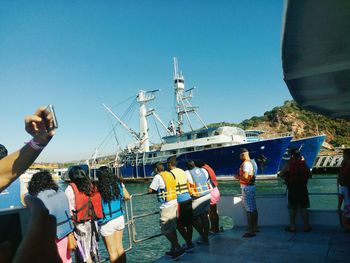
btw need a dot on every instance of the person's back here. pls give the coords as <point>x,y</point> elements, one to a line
<point>181,184</point>
<point>200,182</point>
<point>43,186</point>
<point>164,184</point>
<point>86,206</point>
<point>185,216</point>
<point>112,224</point>
<point>299,172</point>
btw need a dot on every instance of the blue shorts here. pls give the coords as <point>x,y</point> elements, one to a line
<point>248,197</point>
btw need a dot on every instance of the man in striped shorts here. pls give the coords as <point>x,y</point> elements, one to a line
<point>246,177</point>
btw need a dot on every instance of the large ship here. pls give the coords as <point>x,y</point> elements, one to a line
<point>219,146</point>
<point>309,147</point>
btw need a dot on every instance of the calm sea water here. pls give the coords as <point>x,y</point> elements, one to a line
<point>152,249</point>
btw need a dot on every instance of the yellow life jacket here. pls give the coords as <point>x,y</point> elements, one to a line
<point>170,187</point>
<point>181,181</point>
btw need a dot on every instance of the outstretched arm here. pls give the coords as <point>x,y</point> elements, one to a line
<point>40,126</point>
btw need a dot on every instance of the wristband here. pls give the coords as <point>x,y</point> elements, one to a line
<point>35,145</point>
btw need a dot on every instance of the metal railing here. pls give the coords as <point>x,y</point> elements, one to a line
<point>135,217</point>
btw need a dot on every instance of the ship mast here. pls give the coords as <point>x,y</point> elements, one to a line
<point>182,96</point>
<point>142,98</point>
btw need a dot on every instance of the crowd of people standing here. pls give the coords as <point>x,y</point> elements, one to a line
<point>75,219</point>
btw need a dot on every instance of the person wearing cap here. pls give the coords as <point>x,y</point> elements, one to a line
<point>296,174</point>
<point>246,177</point>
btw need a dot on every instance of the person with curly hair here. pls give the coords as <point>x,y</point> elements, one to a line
<point>43,186</point>
<point>113,192</point>
<point>85,206</point>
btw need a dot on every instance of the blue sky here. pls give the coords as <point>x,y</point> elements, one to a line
<point>77,55</point>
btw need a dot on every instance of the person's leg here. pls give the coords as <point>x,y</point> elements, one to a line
<point>111,245</point>
<point>346,223</point>
<point>250,218</point>
<point>172,237</point>
<point>205,223</point>
<point>214,218</point>
<point>121,258</point>
<point>197,224</point>
<point>305,216</point>
<point>255,221</point>
<point>292,217</point>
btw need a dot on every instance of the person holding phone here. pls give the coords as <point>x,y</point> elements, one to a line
<point>42,226</point>
<point>41,127</point>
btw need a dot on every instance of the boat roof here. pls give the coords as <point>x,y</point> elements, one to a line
<point>315,55</point>
<point>273,244</point>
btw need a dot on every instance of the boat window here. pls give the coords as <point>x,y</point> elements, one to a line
<point>202,135</point>
<point>190,149</point>
<point>173,151</point>
<point>189,136</point>
<point>207,146</point>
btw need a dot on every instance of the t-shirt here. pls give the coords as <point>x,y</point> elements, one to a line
<point>71,198</point>
<point>189,176</point>
<point>158,183</point>
<point>248,168</point>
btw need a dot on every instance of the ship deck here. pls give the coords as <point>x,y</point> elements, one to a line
<point>273,244</point>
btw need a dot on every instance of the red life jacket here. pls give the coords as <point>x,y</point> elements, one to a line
<point>299,172</point>
<point>212,174</point>
<point>251,177</point>
<point>86,207</point>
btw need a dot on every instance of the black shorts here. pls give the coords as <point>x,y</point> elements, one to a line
<point>298,196</point>
<point>185,212</point>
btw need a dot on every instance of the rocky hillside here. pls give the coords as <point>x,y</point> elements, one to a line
<point>291,118</point>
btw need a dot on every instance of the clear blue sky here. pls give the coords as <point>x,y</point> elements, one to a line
<point>79,54</point>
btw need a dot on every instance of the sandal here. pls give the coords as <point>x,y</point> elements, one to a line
<point>289,229</point>
<point>308,229</point>
<point>249,234</point>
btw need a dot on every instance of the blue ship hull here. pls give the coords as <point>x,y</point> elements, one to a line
<point>225,160</point>
<point>309,149</point>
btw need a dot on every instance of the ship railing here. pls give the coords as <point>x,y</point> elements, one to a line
<point>135,217</point>
<point>273,210</point>
<point>278,135</point>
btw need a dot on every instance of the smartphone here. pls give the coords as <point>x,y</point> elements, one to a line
<point>13,225</point>
<point>51,111</point>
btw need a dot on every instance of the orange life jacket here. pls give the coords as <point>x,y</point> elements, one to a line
<point>86,207</point>
<point>251,176</point>
<point>212,174</point>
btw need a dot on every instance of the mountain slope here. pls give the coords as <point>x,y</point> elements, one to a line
<point>291,118</point>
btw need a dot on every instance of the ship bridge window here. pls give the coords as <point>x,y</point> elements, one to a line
<point>179,81</point>
<point>202,135</point>
<point>188,136</point>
